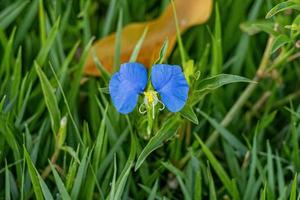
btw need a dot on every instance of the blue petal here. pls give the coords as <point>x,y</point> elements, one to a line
<point>125,86</point>
<point>170,83</point>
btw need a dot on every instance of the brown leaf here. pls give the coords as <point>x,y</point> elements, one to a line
<point>189,13</point>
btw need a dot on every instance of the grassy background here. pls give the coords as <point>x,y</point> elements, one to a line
<point>60,139</point>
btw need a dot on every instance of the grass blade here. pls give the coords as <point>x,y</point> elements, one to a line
<point>217,167</point>
<point>60,185</point>
<point>50,99</point>
<point>231,139</point>
<point>138,47</point>
<point>167,131</point>
<point>153,191</point>
<point>33,176</point>
<point>8,15</point>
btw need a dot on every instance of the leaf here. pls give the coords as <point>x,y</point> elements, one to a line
<point>43,53</point>
<point>179,177</point>
<point>192,12</point>
<point>60,185</point>
<point>255,27</point>
<point>270,168</point>
<point>108,18</point>
<point>80,177</point>
<point>292,4</point>
<point>218,168</point>
<point>231,139</point>
<point>113,184</point>
<point>8,15</point>
<point>188,113</point>
<point>295,26</point>
<point>212,189</point>
<point>118,41</point>
<point>294,188</point>
<point>209,84</point>
<point>138,46</point>
<point>28,18</point>
<point>280,41</point>
<point>7,182</point>
<point>46,192</point>
<point>50,99</point>
<point>280,176</point>
<point>167,131</point>
<point>2,103</point>
<point>217,57</point>
<point>120,185</point>
<point>33,176</point>
<point>153,191</point>
<point>162,53</point>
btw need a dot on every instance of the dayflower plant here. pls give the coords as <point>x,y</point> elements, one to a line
<point>167,81</point>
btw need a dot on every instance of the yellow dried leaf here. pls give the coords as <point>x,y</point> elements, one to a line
<point>189,13</point>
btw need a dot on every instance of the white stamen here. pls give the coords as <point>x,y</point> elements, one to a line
<point>140,109</point>
<point>163,105</point>
<point>153,111</point>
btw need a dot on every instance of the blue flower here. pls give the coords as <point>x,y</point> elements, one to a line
<point>168,81</point>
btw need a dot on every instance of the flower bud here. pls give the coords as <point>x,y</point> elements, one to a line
<point>61,136</point>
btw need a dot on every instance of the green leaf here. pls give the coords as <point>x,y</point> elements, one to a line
<point>27,20</point>
<point>80,177</point>
<point>270,168</point>
<point>250,189</point>
<point>42,22</point>
<point>46,192</point>
<point>217,55</point>
<point>279,42</point>
<point>255,27</point>
<point>286,5</point>
<point>9,14</point>
<point>280,176</point>
<point>109,155</point>
<point>33,176</point>
<point>10,137</point>
<point>113,184</point>
<point>43,53</point>
<point>78,75</point>
<point>293,192</point>
<point>218,168</point>
<point>198,185</point>
<point>295,26</point>
<point>153,191</point>
<point>2,103</point>
<point>138,46</point>
<point>167,131</point>
<point>109,18</point>
<point>212,189</point>
<point>188,113</point>
<point>118,42</point>
<point>50,99</point>
<point>231,139</point>
<point>212,83</point>
<point>162,52</point>
<point>67,106</point>
<point>60,185</point>
<point>179,176</point>
<point>7,182</point>
<point>263,193</point>
<point>125,172</point>
<point>178,35</point>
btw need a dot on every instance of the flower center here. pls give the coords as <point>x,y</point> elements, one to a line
<point>150,101</point>
<point>150,98</point>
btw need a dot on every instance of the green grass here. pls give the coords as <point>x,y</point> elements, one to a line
<point>236,138</point>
